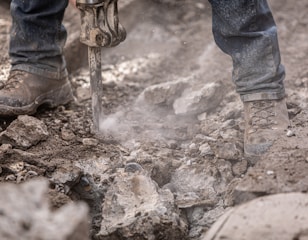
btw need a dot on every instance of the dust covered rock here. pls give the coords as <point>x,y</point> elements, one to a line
<point>281,216</point>
<point>25,212</point>
<point>135,208</point>
<point>164,93</point>
<point>228,150</point>
<point>24,132</point>
<point>195,101</point>
<point>195,186</point>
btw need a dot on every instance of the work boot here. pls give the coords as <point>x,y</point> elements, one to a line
<point>24,92</point>
<point>265,121</point>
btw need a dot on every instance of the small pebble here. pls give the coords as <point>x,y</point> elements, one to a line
<point>17,167</point>
<point>90,142</point>
<point>57,121</point>
<point>67,135</point>
<point>133,167</point>
<point>290,133</point>
<point>270,172</point>
<point>200,6</point>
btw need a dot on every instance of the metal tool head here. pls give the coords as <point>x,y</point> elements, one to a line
<point>100,25</point>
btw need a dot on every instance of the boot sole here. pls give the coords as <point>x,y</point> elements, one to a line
<point>53,99</point>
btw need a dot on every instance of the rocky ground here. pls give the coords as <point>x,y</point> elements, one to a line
<point>169,161</point>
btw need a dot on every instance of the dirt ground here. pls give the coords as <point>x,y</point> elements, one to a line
<point>166,42</point>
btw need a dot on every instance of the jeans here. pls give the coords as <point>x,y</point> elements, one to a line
<point>244,29</point>
<point>37,37</point>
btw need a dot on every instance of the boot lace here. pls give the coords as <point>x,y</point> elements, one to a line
<point>263,115</point>
<point>14,81</point>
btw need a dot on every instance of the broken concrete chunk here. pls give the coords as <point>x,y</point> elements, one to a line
<point>164,93</point>
<point>24,132</point>
<point>196,101</point>
<point>66,176</point>
<point>90,141</point>
<point>194,187</point>
<point>4,149</point>
<point>281,216</point>
<point>67,134</point>
<point>83,93</point>
<point>135,208</point>
<point>240,168</point>
<point>229,151</point>
<point>205,150</point>
<point>25,212</point>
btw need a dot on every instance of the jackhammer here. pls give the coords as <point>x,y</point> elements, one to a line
<point>100,27</point>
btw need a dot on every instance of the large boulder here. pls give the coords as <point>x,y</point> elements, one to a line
<point>281,216</point>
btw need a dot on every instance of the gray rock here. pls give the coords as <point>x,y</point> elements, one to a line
<point>193,148</point>
<point>24,132</point>
<point>281,216</point>
<point>194,187</point>
<point>25,212</point>
<point>229,151</point>
<point>233,107</point>
<point>240,168</point>
<point>196,101</point>
<point>90,142</point>
<point>83,93</point>
<point>197,189</point>
<point>201,220</point>
<point>200,138</point>
<point>202,116</point>
<point>229,199</point>
<point>67,134</point>
<point>164,93</point>
<point>4,149</point>
<point>229,133</point>
<point>206,150</point>
<point>135,208</point>
<point>66,175</point>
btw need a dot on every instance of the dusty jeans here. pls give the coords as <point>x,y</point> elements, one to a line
<point>38,37</point>
<point>244,29</point>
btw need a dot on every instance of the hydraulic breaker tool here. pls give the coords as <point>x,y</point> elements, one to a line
<point>100,27</point>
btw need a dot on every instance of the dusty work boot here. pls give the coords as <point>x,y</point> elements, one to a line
<point>24,92</point>
<point>265,121</point>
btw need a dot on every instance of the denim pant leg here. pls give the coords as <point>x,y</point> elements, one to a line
<point>38,37</point>
<point>245,30</point>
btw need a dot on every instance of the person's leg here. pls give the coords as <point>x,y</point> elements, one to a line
<point>245,30</point>
<point>38,37</point>
<point>38,73</point>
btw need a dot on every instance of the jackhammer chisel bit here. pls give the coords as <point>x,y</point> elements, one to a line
<point>100,27</point>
